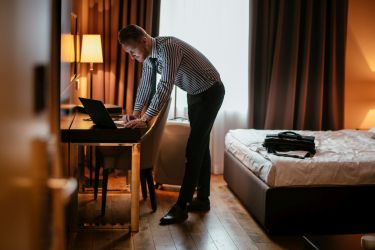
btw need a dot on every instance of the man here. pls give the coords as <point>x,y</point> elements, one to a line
<point>182,65</point>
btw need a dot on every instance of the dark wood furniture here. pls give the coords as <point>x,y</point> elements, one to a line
<point>150,144</point>
<point>146,177</point>
<point>303,209</point>
<point>81,131</point>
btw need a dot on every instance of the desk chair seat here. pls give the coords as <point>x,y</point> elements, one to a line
<point>120,157</point>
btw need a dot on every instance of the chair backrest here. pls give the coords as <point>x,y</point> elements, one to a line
<point>150,142</point>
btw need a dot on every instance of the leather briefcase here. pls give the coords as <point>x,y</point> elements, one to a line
<point>290,141</point>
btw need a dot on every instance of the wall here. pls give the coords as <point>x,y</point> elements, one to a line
<point>360,62</point>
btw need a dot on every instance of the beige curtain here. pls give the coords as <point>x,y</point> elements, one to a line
<point>297,64</point>
<point>115,81</point>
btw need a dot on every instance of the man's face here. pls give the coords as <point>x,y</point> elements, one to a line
<point>136,49</point>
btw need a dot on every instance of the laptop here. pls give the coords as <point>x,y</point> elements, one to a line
<point>99,114</point>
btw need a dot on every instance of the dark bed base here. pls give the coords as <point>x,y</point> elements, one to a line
<point>302,210</point>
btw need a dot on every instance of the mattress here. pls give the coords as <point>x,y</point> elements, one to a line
<point>344,157</point>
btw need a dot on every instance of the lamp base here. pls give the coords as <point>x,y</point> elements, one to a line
<point>112,109</point>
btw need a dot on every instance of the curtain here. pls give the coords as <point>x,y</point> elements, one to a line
<point>220,30</point>
<point>115,81</point>
<point>297,64</point>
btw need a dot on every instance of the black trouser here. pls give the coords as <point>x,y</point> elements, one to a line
<point>202,109</point>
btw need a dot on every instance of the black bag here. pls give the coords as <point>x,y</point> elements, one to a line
<point>290,141</point>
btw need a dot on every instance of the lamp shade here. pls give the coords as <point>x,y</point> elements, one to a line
<point>91,51</point>
<point>67,48</point>
<point>369,120</point>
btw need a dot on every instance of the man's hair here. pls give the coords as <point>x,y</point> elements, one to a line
<point>131,32</point>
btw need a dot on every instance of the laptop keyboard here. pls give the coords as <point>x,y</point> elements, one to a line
<point>119,123</point>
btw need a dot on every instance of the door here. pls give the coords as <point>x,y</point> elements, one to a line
<point>31,201</point>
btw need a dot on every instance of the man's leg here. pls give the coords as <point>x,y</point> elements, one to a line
<point>201,203</point>
<point>203,188</point>
<point>203,109</point>
<point>202,116</point>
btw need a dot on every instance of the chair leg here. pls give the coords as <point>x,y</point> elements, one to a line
<point>143,183</point>
<point>104,189</point>
<point>96,181</point>
<point>81,168</point>
<point>151,188</point>
<point>90,164</point>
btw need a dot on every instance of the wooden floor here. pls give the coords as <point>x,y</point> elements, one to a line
<point>226,226</point>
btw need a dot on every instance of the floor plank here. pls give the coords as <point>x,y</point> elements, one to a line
<point>181,237</point>
<point>226,226</point>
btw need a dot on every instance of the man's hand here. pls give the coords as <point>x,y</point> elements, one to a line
<point>135,123</point>
<point>128,118</point>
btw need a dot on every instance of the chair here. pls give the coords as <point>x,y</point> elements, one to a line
<point>111,157</point>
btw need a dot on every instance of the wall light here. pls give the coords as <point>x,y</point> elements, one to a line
<point>91,52</point>
<point>369,120</point>
<point>67,48</point>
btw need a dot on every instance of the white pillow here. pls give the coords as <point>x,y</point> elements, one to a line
<point>372,131</point>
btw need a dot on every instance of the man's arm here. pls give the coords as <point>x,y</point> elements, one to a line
<point>172,56</point>
<point>144,89</point>
<point>143,93</point>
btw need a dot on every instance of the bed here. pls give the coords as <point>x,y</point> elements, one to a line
<point>332,192</point>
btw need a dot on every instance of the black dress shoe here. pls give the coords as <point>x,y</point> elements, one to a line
<point>175,215</point>
<point>197,205</point>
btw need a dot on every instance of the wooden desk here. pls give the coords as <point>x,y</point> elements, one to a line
<point>83,132</point>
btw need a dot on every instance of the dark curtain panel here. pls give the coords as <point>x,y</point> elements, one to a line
<point>116,80</point>
<point>297,64</point>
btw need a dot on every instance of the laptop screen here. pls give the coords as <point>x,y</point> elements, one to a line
<point>98,113</point>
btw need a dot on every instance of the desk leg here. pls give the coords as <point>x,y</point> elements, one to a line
<point>134,212</point>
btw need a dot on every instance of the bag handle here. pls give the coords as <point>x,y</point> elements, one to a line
<point>307,155</point>
<point>287,134</point>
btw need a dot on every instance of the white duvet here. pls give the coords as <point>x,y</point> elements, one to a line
<point>342,157</point>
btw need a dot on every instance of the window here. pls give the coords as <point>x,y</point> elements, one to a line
<point>220,30</point>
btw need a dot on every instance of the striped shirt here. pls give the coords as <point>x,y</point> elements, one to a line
<point>178,63</point>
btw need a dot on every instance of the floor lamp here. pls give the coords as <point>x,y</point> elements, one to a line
<point>91,52</point>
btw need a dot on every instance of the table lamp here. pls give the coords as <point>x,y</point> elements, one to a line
<point>369,120</point>
<point>91,52</point>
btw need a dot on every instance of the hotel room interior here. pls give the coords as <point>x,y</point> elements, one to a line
<point>301,65</point>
